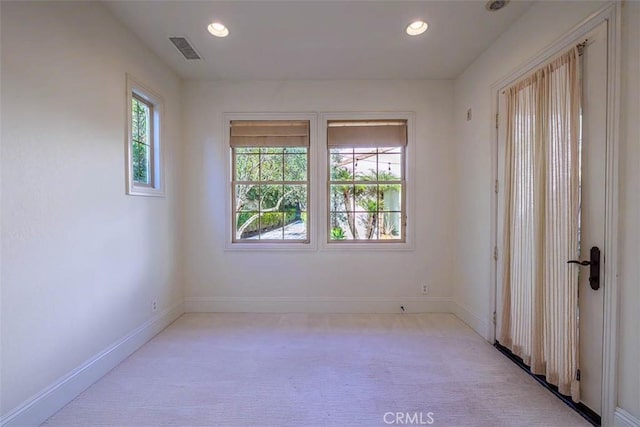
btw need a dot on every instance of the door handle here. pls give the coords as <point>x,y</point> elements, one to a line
<point>594,270</point>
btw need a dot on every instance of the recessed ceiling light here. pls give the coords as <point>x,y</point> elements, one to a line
<point>416,28</point>
<point>218,29</point>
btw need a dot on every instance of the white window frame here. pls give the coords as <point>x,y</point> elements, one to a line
<point>312,208</point>
<point>152,98</point>
<point>323,181</point>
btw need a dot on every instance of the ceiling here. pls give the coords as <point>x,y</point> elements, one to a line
<point>319,39</point>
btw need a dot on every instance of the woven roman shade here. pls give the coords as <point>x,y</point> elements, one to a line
<point>369,133</point>
<point>269,133</point>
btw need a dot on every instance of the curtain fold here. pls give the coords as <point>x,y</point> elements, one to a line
<point>541,222</point>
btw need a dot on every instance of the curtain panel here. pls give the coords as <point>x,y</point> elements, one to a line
<point>541,226</point>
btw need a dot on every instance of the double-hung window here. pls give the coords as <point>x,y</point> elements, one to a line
<point>366,186</point>
<point>270,180</point>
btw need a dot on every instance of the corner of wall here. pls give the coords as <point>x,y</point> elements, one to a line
<point>473,320</point>
<point>54,397</point>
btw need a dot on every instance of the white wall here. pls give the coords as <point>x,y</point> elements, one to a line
<point>81,260</point>
<point>212,272</point>
<point>540,26</point>
<point>629,277</point>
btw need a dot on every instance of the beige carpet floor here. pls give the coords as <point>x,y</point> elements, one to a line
<point>316,370</point>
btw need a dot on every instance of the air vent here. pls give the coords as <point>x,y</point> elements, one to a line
<point>493,5</point>
<point>182,44</point>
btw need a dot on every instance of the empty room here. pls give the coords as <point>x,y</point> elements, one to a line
<point>320,213</point>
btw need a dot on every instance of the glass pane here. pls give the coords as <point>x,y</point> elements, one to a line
<point>272,150</point>
<point>390,197</point>
<point>339,228</point>
<point>140,121</point>
<point>247,150</point>
<point>296,150</point>
<point>334,150</point>
<point>341,164</point>
<point>296,228</point>
<point>141,158</point>
<point>247,167</point>
<point>295,199</point>
<point>390,225</point>
<point>366,166</point>
<point>140,139</point>
<point>295,167</point>
<point>271,167</point>
<point>389,167</point>
<point>271,224</point>
<point>365,150</point>
<point>271,196</point>
<point>367,225</point>
<point>390,150</point>
<point>341,197</point>
<point>367,198</point>
<point>247,197</point>
<point>247,225</point>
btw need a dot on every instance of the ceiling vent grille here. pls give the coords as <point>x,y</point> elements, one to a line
<point>185,48</point>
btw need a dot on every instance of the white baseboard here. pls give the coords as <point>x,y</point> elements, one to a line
<point>475,322</point>
<point>624,419</point>
<point>50,400</point>
<point>318,304</point>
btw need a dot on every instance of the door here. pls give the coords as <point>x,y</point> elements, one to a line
<point>592,209</point>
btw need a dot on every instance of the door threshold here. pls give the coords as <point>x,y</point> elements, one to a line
<point>584,411</point>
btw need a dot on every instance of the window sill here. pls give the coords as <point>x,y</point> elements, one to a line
<point>370,247</point>
<point>145,191</point>
<point>270,247</point>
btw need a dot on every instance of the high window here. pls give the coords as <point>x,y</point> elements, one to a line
<point>270,180</point>
<point>143,150</point>
<point>366,186</point>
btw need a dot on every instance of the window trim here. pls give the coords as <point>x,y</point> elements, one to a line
<point>312,208</point>
<point>155,188</point>
<point>408,195</point>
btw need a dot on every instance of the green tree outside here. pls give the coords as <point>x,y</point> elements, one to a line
<point>140,133</point>
<point>271,188</point>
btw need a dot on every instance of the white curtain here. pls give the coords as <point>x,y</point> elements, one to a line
<point>539,289</point>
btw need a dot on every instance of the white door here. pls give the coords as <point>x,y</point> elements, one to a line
<point>590,302</point>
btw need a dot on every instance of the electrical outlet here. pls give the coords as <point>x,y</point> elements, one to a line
<point>154,305</point>
<point>425,288</point>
